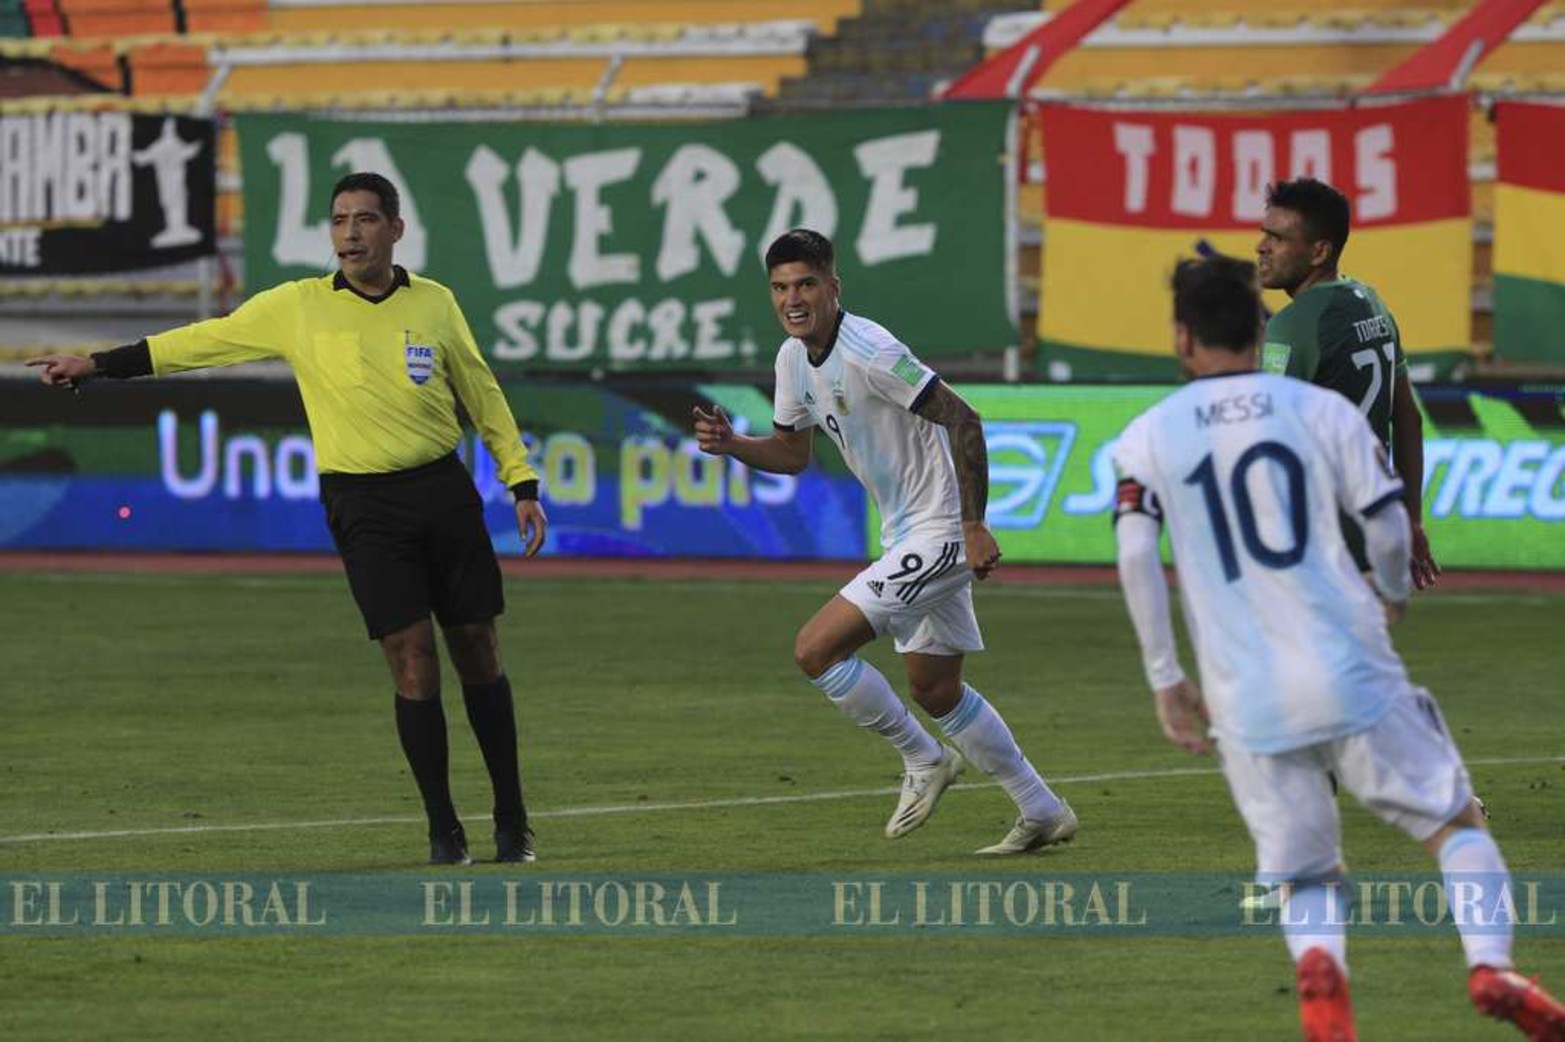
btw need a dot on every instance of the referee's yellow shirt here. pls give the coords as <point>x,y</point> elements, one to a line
<point>376,376</point>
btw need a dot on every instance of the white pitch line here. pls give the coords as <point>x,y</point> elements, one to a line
<point>642,808</point>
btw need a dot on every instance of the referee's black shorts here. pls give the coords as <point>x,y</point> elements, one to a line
<point>414,542</point>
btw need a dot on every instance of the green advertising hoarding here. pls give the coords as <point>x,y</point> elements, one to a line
<point>639,246</point>
<point>1494,472</point>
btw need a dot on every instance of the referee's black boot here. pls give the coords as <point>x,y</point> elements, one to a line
<point>449,847</point>
<point>513,842</point>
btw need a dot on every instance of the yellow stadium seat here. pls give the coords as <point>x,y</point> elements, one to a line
<point>1137,21</point>
<point>1338,18</point>
<point>595,34</point>
<point>18,47</point>
<point>1407,18</point>
<point>480,37</point>
<point>665,32</point>
<point>537,34</point>
<point>1490,82</point>
<point>1134,89</point>
<point>1273,19</point>
<point>1210,20</point>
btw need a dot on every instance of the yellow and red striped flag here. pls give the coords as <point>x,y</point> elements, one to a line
<point>1130,192</point>
<point>1529,215</point>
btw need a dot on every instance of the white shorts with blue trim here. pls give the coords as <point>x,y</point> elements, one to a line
<point>921,592</point>
<point>1404,769</point>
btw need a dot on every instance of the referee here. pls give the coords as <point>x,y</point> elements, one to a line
<point>380,357</point>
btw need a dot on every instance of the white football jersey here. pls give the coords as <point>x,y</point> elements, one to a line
<point>862,395</point>
<point>1249,471</point>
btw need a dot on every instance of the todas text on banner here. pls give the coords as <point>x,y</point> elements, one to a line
<point>1130,192</point>
<point>84,192</point>
<point>638,246</point>
<point>1529,211</point>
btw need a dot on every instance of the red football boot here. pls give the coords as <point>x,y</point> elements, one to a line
<point>1507,995</point>
<point>1325,1009</point>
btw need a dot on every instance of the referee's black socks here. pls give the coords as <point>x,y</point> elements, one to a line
<point>490,712</point>
<point>422,728</point>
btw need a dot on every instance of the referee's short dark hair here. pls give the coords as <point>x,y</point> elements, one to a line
<point>1217,299</point>
<point>385,191</point>
<point>1323,210</point>
<point>802,244</point>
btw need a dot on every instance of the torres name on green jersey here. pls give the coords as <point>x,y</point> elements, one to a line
<point>1339,335</point>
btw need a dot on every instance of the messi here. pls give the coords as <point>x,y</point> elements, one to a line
<point>1238,409</point>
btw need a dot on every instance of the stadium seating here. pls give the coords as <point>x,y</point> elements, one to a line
<point>729,55</point>
<point>111,18</point>
<point>535,14</point>
<point>306,52</point>
<point>226,16</point>
<point>1184,49</point>
<point>573,59</point>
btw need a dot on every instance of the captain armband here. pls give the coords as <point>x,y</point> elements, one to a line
<point>1132,497</point>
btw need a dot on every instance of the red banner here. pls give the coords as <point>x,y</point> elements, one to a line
<point>1523,133</point>
<point>1529,211</point>
<point>1130,192</point>
<point>1398,164</point>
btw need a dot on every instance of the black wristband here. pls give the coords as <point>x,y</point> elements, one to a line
<point>525,489</point>
<point>122,363</point>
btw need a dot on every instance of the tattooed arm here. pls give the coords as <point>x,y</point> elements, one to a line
<point>971,457</point>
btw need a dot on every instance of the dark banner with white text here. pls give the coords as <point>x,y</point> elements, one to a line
<point>91,192</point>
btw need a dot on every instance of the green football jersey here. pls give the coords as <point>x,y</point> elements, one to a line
<point>1340,335</point>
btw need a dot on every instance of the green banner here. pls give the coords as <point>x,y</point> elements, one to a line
<point>477,902</point>
<point>1494,472</point>
<point>630,246</point>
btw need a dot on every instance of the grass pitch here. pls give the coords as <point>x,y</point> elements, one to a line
<point>141,705</point>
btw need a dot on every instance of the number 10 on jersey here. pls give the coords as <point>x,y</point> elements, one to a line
<point>1268,454</point>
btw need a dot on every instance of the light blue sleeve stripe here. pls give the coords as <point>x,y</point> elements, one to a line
<point>855,342</point>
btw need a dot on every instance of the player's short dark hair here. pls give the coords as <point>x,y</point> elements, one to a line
<point>1218,300</point>
<point>802,244</point>
<point>1324,210</point>
<point>385,191</point>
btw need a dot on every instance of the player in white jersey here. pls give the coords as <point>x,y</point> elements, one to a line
<point>1248,470</point>
<point>919,450</point>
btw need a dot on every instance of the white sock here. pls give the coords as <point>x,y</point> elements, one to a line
<point>862,693</point>
<point>1315,915</point>
<point>980,734</point>
<point>1478,892</point>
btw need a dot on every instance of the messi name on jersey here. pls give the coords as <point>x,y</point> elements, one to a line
<point>421,362</point>
<point>1236,409</point>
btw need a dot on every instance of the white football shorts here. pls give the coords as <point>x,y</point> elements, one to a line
<point>1405,769</point>
<point>921,592</point>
